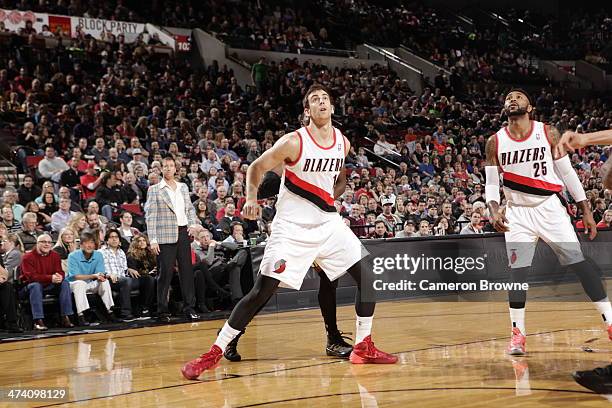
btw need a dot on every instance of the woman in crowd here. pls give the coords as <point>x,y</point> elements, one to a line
<point>142,265</point>
<point>47,187</point>
<point>606,221</point>
<point>48,204</point>
<point>77,223</point>
<point>42,219</point>
<point>66,244</point>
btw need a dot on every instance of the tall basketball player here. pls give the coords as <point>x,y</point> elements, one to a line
<point>306,228</point>
<point>336,343</point>
<point>532,182</point>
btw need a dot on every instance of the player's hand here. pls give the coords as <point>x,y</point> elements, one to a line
<point>251,210</point>
<point>590,226</point>
<point>569,142</point>
<point>499,220</point>
<point>155,248</point>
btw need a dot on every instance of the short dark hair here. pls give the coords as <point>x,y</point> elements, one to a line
<point>87,236</point>
<point>109,232</point>
<point>314,88</point>
<point>524,92</point>
<point>234,224</point>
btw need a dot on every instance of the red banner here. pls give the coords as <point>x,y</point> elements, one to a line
<point>62,22</point>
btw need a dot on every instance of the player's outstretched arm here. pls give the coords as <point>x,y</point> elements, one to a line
<point>571,141</point>
<point>564,169</point>
<point>286,149</point>
<point>492,196</point>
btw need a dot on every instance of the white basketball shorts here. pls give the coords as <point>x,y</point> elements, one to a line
<point>292,248</point>
<point>549,221</point>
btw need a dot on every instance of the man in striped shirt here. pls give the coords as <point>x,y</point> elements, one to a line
<point>115,266</point>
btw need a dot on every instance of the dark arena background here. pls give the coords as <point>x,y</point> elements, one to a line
<point>95,95</point>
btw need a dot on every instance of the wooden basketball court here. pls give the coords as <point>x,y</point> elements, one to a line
<point>451,354</point>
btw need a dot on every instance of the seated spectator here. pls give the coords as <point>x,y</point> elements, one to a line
<point>408,231</point>
<point>215,266</point>
<point>228,218</point>
<point>86,274</point>
<point>77,223</point>
<point>390,219</point>
<point>96,227</point>
<point>41,270</point>
<point>115,267</point>
<point>8,311</point>
<point>424,229</point>
<point>131,191</point>
<point>441,227</point>
<point>94,208</point>
<point>139,161</point>
<point>73,196</point>
<point>206,218</point>
<point>109,195</point>
<point>29,233</point>
<point>126,231</point>
<point>51,166</point>
<point>49,204</point>
<point>42,219</point>
<point>65,245</point>
<point>606,221</point>
<point>380,230</point>
<point>47,187</point>
<point>90,182</point>
<point>142,265</point>
<point>8,219</point>
<point>60,218</point>
<point>12,251</point>
<point>28,191</point>
<point>474,227</point>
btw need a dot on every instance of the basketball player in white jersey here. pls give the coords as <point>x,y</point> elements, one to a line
<point>306,228</point>
<point>532,180</point>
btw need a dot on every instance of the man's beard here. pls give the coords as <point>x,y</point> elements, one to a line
<point>518,112</point>
<point>2,184</point>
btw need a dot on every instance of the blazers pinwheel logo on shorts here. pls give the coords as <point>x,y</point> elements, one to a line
<point>279,266</point>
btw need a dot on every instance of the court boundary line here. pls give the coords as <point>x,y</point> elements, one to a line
<point>408,390</point>
<point>337,361</point>
<point>270,324</point>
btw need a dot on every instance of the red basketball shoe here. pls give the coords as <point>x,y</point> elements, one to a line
<point>193,369</point>
<point>517,343</point>
<point>610,332</point>
<point>366,353</point>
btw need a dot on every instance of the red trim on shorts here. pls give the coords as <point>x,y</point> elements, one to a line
<point>293,163</point>
<point>318,145</point>
<point>528,181</point>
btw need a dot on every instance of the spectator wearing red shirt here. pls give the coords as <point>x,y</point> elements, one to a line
<point>41,269</point>
<point>90,182</point>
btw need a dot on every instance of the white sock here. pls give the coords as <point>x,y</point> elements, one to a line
<point>364,328</point>
<point>605,310</point>
<point>226,335</point>
<point>517,319</point>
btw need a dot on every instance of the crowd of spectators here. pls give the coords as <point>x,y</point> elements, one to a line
<point>99,125</point>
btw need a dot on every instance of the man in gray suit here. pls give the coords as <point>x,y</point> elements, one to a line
<point>171,218</point>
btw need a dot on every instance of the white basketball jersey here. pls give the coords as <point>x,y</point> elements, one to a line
<point>527,166</point>
<point>306,194</point>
